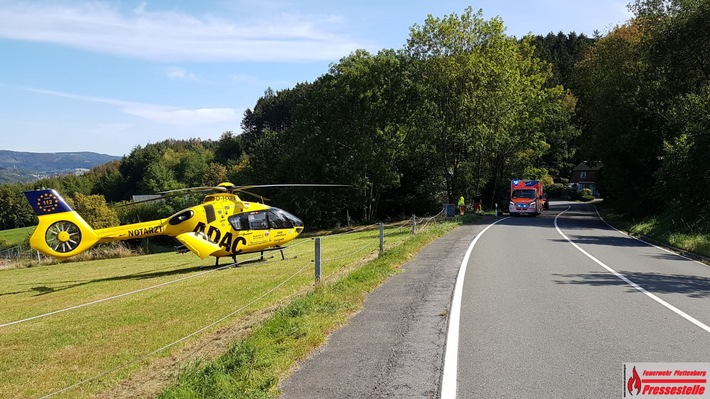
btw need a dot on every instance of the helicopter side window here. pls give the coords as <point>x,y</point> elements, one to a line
<point>278,221</point>
<point>239,221</point>
<point>181,217</point>
<point>249,221</point>
<point>257,221</point>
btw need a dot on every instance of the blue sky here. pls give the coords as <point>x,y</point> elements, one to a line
<point>106,76</point>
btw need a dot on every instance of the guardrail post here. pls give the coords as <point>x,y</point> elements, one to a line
<point>317,251</point>
<point>382,238</point>
<point>414,224</point>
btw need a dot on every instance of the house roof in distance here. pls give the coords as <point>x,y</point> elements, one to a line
<point>588,165</point>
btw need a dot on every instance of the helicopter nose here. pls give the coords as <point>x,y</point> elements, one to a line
<point>297,223</point>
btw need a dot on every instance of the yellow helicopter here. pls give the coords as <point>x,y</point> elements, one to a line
<point>222,225</point>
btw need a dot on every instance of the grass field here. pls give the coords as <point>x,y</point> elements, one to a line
<point>14,237</point>
<point>116,319</point>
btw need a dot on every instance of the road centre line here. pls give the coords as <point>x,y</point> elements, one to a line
<point>629,282</point>
<point>451,354</point>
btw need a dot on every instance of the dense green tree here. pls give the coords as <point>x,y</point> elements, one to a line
<point>229,148</point>
<point>679,50</point>
<point>684,176</point>
<point>15,211</point>
<point>273,111</point>
<point>159,177</point>
<point>94,211</point>
<point>108,181</point>
<point>67,184</point>
<point>489,101</point>
<point>616,96</point>
<point>562,51</point>
<point>349,128</point>
<point>135,165</point>
<point>192,165</point>
<point>643,99</point>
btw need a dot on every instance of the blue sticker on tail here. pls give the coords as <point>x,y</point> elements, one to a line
<point>45,202</point>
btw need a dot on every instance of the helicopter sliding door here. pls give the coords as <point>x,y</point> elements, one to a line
<point>266,228</point>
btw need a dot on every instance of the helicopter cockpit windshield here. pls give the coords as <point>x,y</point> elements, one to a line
<point>273,218</point>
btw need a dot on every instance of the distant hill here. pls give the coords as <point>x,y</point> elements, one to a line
<point>22,167</point>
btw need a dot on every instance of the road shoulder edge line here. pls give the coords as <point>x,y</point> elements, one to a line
<point>631,283</point>
<point>450,371</point>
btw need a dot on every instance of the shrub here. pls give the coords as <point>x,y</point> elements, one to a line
<point>583,195</point>
<point>557,191</point>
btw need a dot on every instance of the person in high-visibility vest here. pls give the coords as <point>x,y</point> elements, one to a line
<point>462,205</point>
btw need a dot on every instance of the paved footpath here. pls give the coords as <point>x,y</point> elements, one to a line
<point>394,347</point>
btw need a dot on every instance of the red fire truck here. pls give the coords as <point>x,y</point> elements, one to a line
<point>525,197</point>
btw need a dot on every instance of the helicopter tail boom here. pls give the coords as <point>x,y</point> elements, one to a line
<point>61,231</point>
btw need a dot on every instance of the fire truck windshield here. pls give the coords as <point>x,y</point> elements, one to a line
<point>524,194</point>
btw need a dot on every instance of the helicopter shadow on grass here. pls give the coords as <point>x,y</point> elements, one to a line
<point>44,290</point>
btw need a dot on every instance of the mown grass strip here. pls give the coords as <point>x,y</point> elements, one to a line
<point>253,367</point>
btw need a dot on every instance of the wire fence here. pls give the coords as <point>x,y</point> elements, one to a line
<point>16,254</point>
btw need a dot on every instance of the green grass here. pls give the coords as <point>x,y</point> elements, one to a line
<point>688,233</point>
<point>14,237</point>
<point>44,355</point>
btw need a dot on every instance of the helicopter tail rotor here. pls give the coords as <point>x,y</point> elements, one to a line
<point>61,231</point>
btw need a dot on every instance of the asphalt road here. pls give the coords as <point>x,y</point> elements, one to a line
<point>394,347</point>
<point>539,318</point>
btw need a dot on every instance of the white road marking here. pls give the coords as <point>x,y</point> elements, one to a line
<point>631,283</point>
<point>451,355</point>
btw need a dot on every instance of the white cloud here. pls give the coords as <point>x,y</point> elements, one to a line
<point>176,36</point>
<point>185,117</point>
<point>244,78</point>
<point>180,74</point>
<point>158,113</point>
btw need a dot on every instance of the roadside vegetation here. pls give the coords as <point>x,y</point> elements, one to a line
<point>688,233</point>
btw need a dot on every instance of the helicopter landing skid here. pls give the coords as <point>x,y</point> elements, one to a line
<point>235,263</point>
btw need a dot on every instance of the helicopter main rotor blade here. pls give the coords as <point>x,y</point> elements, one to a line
<point>242,188</point>
<point>194,189</point>
<point>157,198</point>
<point>261,197</point>
<point>227,188</point>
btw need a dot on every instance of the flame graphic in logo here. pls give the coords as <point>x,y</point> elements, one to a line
<point>634,382</point>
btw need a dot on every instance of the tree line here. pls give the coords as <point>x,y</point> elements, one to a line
<point>644,107</point>
<point>461,109</point>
